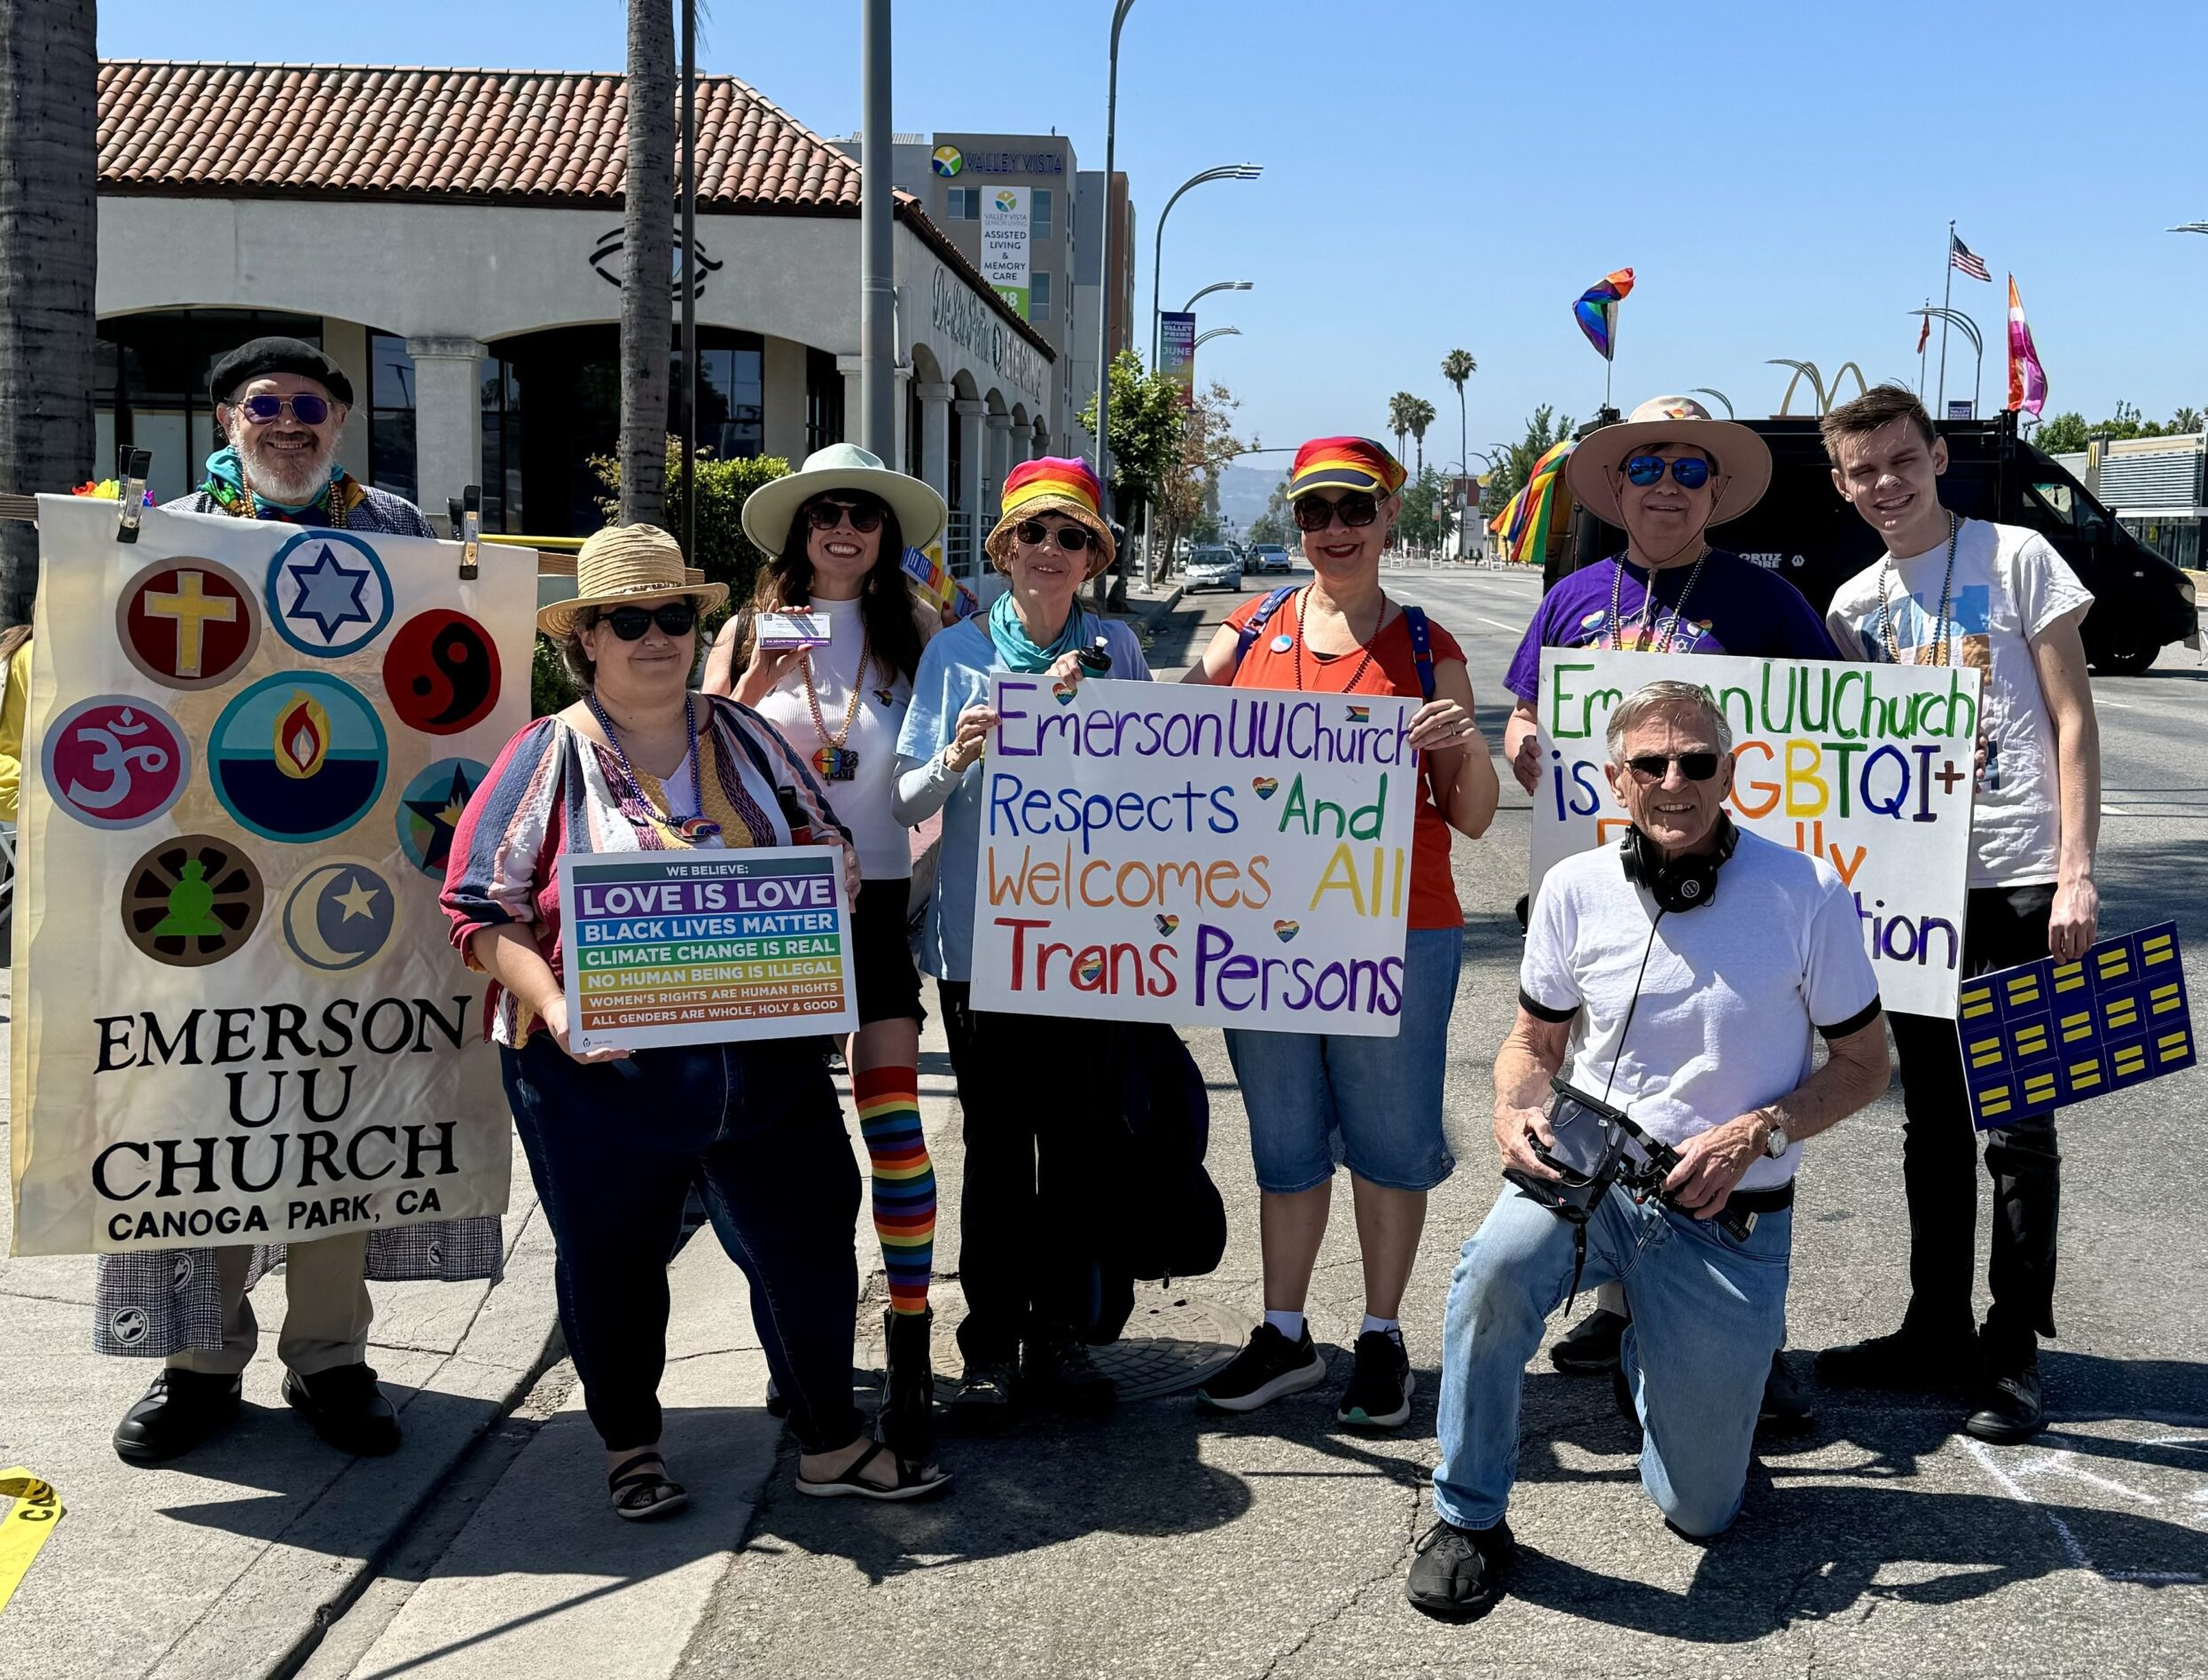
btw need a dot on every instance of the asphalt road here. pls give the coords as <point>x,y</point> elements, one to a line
<point>1165,1542</point>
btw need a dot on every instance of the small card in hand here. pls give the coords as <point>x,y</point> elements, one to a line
<point>786,632</point>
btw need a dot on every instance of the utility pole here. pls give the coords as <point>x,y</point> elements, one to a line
<point>877,294</point>
<point>690,272</point>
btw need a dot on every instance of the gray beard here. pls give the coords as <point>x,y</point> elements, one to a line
<point>294,480</point>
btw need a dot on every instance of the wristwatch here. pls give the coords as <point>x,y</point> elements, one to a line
<point>1775,1141</point>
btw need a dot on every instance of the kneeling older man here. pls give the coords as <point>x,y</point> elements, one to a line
<point>1681,972</point>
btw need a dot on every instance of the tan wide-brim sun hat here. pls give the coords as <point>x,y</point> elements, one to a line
<point>1053,484</point>
<point>769,509</point>
<point>1743,459</point>
<point>624,563</point>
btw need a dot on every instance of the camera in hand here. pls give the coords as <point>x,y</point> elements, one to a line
<point>1589,1154</point>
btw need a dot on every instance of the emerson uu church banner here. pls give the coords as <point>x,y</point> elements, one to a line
<point>1868,767</point>
<point>1205,856</point>
<point>237,1015</point>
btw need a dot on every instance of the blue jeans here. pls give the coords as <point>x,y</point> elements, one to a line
<point>1381,1097</point>
<point>1708,1314</point>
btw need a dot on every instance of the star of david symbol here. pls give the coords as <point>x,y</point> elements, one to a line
<point>442,814</point>
<point>329,593</point>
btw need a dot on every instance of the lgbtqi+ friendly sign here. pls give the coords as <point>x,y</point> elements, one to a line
<point>702,947</point>
<point>1869,767</point>
<point>239,1014</point>
<point>1204,857</point>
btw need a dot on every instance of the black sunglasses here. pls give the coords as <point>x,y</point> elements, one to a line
<point>676,618</point>
<point>825,515</point>
<point>305,407</point>
<point>1357,509</point>
<point>1691,471</point>
<point>1695,767</point>
<point>1072,538</point>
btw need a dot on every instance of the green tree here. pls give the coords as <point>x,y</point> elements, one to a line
<point>1148,426</point>
<point>1399,407</point>
<point>1424,496</point>
<point>647,295</point>
<point>1457,367</point>
<point>1207,445</point>
<point>2062,433</point>
<point>1421,414</point>
<point>1543,431</point>
<point>2186,420</point>
<point>49,117</point>
<point>1276,524</point>
<point>2068,433</point>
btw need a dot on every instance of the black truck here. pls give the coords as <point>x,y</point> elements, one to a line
<point>1805,532</point>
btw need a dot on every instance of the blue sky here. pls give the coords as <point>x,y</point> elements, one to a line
<point>1440,174</point>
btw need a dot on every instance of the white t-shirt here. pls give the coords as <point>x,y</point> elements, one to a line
<point>862,804</point>
<point>1734,991</point>
<point>2009,586</point>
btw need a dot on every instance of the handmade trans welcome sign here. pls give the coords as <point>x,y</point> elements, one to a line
<point>1205,856</point>
<point>1869,767</point>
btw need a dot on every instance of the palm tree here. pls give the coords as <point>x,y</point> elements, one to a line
<point>1457,367</point>
<point>647,293</point>
<point>1399,407</point>
<point>1419,415</point>
<point>49,244</point>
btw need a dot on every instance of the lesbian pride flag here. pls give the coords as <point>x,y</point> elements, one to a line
<point>2027,380</point>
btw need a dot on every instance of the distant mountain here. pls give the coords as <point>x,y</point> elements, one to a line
<point>1245,490</point>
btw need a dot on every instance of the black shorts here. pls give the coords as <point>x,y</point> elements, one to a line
<point>889,982</point>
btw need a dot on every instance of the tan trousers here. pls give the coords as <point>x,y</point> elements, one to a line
<point>326,1310</point>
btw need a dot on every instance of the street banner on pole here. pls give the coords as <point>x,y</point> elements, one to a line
<point>237,1012</point>
<point>702,948</point>
<point>1005,244</point>
<point>1177,352</point>
<point>1205,856</point>
<point>1868,767</point>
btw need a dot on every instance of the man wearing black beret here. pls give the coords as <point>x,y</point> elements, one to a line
<point>281,405</point>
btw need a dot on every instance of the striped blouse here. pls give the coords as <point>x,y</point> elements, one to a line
<point>553,789</point>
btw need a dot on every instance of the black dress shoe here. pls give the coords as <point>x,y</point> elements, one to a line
<point>1783,1413</point>
<point>1459,1573</point>
<point>2009,1406</point>
<point>1590,1348</point>
<point>181,1409</point>
<point>1909,1360</point>
<point>1056,1371</point>
<point>346,1408</point>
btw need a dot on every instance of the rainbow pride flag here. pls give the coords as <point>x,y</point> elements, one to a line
<point>1523,525</point>
<point>1596,310</point>
<point>937,586</point>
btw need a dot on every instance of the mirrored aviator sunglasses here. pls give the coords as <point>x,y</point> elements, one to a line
<point>676,618</point>
<point>1357,509</point>
<point>305,407</point>
<point>1691,471</point>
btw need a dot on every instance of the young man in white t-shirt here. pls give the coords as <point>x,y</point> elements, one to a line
<point>1997,597</point>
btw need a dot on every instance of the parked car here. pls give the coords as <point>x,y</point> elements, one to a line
<point>1212,568</point>
<point>1268,557</point>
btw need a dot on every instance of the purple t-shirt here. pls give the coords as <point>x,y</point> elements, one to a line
<point>1734,607</point>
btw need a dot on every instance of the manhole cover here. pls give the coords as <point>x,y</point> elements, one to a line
<point>1172,1342</point>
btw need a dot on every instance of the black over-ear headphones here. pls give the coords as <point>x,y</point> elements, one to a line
<point>1685,883</point>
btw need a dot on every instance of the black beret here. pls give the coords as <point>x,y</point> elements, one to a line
<point>263,356</point>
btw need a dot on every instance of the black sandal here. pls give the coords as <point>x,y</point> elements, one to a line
<point>914,1481</point>
<point>643,1496</point>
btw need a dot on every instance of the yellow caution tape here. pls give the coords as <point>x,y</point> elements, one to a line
<point>36,1510</point>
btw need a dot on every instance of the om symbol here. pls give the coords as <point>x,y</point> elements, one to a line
<point>115,762</point>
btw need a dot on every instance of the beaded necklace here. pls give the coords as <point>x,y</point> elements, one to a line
<point>1943,628</point>
<point>835,762</point>
<point>1362,665</point>
<point>252,508</point>
<point>692,829</point>
<point>1649,606</point>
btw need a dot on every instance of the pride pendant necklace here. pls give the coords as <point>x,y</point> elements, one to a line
<point>692,830</point>
<point>835,761</point>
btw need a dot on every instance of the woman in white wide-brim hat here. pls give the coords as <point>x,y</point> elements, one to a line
<point>643,763</point>
<point>835,533</point>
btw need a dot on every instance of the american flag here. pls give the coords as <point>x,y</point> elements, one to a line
<point>1962,256</point>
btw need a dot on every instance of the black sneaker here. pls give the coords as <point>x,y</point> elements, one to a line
<point>1056,1371</point>
<point>1592,1347</point>
<point>1784,1413</point>
<point>1269,1367</point>
<point>1908,1361</point>
<point>181,1409</point>
<point>1459,1573</point>
<point>346,1408</point>
<point>983,1398</point>
<point>2010,1405</point>
<point>1379,1395</point>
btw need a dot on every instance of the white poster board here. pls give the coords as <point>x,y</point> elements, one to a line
<point>1869,767</point>
<point>1205,856</point>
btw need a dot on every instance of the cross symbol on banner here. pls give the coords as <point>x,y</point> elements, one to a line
<point>192,611</point>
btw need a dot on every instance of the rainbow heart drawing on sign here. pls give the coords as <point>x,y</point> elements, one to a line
<point>1287,930</point>
<point>1167,924</point>
<point>1063,693</point>
<point>1266,786</point>
<point>1090,970</point>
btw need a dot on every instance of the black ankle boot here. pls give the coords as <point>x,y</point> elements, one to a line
<point>907,1420</point>
<point>2009,1406</point>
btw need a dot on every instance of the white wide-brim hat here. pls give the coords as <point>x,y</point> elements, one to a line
<point>769,509</point>
<point>1741,458</point>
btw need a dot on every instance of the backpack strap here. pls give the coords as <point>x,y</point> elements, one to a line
<point>1421,648</point>
<point>1247,637</point>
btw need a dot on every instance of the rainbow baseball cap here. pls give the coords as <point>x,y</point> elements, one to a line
<point>1345,464</point>
<point>1053,484</point>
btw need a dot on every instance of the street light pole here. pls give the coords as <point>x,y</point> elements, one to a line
<point>1217,286</point>
<point>1224,172</point>
<point>1106,286</point>
<point>689,281</point>
<point>877,285</point>
<point>1203,338</point>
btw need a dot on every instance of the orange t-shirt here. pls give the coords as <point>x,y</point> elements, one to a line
<point>1393,671</point>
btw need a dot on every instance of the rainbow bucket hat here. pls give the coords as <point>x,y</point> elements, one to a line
<point>1053,484</point>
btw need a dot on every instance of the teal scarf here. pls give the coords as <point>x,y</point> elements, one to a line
<point>1019,652</point>
<point>226,482</point>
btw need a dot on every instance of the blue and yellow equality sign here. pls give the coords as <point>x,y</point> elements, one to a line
<point>2046,1034</point>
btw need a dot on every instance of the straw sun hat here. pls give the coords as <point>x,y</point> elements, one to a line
<point>1742,460</point>
<point>622,563</point>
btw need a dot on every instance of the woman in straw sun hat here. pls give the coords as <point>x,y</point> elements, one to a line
<point>836,535</point>
<point>1026,1215</point>
<point>614,1140</point>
